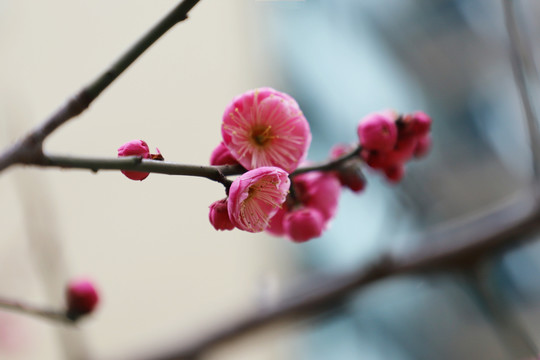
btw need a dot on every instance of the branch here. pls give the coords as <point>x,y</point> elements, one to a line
<point>523,67</point>
<point>455,247</point>
<point>29,148</point>
<point>329,165</point>
<point>54,315</point>
<point>214,173</point>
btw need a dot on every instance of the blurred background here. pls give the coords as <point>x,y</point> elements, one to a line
<point>164,274</point>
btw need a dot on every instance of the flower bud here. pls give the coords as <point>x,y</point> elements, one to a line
<point>394,173</point>
<point>134,148</point>
<point>421,123</point>
<point>82,298</point>
<point>219,216</point>
<point>422,146</point>
<point>222,156</point>
<point>378,131</point>
<point>304,224</point>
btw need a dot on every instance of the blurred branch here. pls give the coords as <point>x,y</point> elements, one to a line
<point>523,67</point>
<point>453,247</point>
<point>490,299</point>
<point>30,148</point>
<point>54,315</point>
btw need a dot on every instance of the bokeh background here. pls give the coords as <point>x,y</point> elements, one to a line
<point>164,274</point>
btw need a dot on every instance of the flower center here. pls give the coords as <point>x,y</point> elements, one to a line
<point>262,135</point>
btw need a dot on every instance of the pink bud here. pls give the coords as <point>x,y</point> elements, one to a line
<point>320,191</point>
<point>378,131</point>
<point>134,148</point>
<point>394,173</point>
<point>421,123</point>
<point>265,127</point>
<point>222,156</point>
<point>304,224</point>
<point>219,216</point>
<point>351,176</point>
<point>402,152</point>
<point>275,226</point>
<point>339,150</point>
<point>422,146</point>
<point>256,196</point>
<point>82,298</point>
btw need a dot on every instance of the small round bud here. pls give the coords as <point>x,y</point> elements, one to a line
<point>339,150</point>
<point>304,224</point>
<point>351,176</point>
<point>377,131</point>
<point>219,216</point>
<point>82,298</point>
<point>134,148</point>
<point>422,146</point>
<point>394,173</point>
<point>222,156</point>
<point>275,226</point>
<point>421,123</point>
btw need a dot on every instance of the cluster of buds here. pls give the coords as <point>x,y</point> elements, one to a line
<point>389,141</point>
<point>265,132</point>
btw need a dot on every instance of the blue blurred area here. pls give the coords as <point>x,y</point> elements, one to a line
<point>344,59</point>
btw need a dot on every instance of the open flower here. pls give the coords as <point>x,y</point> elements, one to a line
<point>256,196</point>
<point>264,127</point>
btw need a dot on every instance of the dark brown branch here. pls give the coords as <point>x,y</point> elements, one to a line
<point>329,165</point>
<point>21,307</point>
<point>29,149</point>
<point>215,173</point>
<point>523,68</point>
<point>454,247</point>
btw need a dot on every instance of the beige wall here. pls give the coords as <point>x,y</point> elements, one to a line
<point>165,275</point>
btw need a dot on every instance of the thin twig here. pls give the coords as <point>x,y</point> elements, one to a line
<point>454,247</point>
<point>329,165</point>
<point>215,173</point>
<point>523,65</point>
<point>28,309</point>
<point>29,149</point>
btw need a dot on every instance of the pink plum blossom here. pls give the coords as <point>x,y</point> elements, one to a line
<point>222,156</point>
<point>219,216</point>
<point>134,148</point>
<point>303,224</point>
<point>256,196</point>
<point>82,298</point>
<point>378,131</point>
<point>265,127</point>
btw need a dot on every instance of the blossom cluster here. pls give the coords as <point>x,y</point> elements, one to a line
<point>265,132</point>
